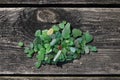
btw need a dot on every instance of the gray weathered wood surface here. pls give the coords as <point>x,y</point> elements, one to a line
<point>59,78</point>
<point>19,24</point>
<point>59,2</point>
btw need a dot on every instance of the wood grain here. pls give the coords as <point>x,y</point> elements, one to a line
<point>81,1</point>
<point>59,78</point>
<point>20,24</point>
<point>21,2</point>
<point>59,2</point>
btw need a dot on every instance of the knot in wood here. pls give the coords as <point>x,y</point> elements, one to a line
<point>47,16</point>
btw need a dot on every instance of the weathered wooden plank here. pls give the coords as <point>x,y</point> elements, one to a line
<point>21,2</point>
<point>81,1</point>
<point>20,24</point>
<point>59,78</point>
<point>59,2</point>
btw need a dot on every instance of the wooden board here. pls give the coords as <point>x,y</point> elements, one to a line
<point>81,1</point>
<point>59,2</point>
<point>59,78</point>
<point>19,24</point>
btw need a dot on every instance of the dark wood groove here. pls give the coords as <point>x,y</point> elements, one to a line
<point>59,5</point>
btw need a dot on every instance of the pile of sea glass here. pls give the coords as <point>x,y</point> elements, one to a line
<point>60,43</point>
